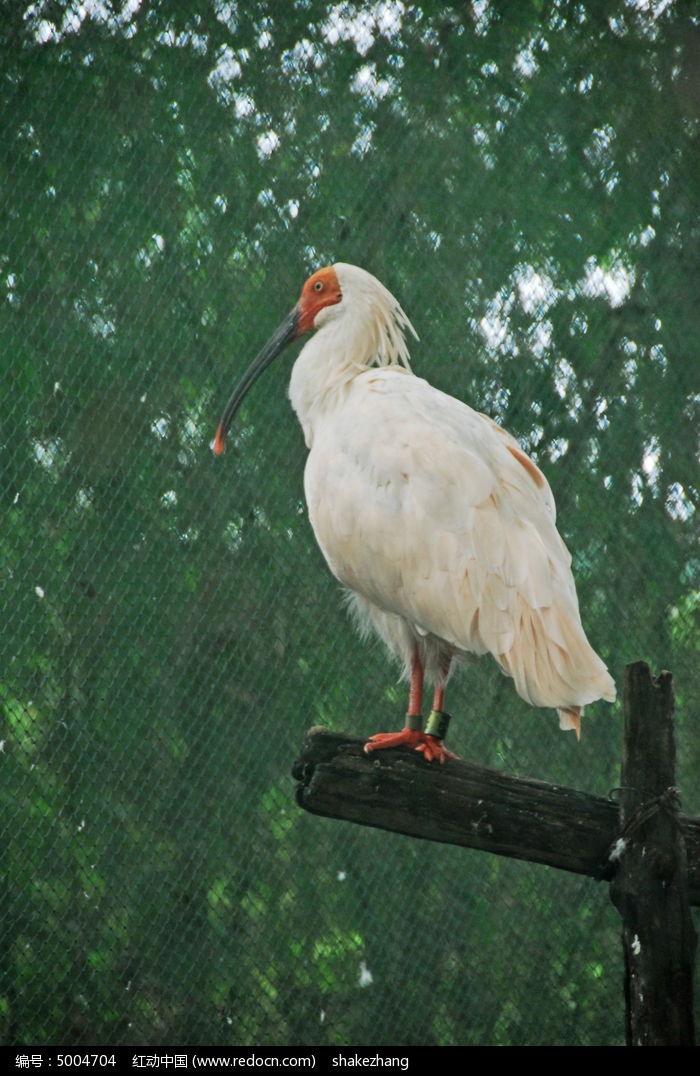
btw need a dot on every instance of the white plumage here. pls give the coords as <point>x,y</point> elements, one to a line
<point>434,519</point>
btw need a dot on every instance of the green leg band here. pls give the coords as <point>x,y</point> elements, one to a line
<point>414,722</point>
<point>438,723</point>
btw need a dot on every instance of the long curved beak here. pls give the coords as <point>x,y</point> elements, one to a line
<point>283,335</point>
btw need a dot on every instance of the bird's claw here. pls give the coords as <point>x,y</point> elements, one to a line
<point>430,746</point>
<point>433,748</point>
<point>407,737</point>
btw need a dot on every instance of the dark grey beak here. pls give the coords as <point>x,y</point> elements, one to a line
<point>287,331</point>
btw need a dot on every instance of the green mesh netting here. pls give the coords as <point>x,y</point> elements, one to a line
<point>524,178</point>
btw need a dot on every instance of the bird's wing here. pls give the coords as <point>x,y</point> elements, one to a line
<point>433,512</point>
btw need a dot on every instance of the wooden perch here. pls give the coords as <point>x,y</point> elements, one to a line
<point>643,845</point>
<point>467,805</point>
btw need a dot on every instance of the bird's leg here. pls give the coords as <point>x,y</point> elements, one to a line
<point>415,693</point>
<point>436,729</point>
<point>411,734</point>
<point>430,741</point>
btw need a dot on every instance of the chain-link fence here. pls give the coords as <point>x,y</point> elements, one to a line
<point>524,178</point>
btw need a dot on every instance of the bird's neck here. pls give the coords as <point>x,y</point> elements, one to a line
<point>325,368</point>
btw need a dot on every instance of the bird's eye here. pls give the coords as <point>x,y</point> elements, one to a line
<point>318,286</point>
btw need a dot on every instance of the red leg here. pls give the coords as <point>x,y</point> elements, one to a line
<point>429,742</point>
<point>410,735</point>
<point>415,694</point>
<point>432,744</point>
<point>441,680</point>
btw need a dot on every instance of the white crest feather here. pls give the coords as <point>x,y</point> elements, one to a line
<point>379,320</point>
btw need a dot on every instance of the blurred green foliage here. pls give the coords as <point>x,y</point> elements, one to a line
<point>524,178</point>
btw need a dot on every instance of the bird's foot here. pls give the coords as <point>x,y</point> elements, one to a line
<point>435,732</point>
<point>407,737</point>
<point>434,749</point>
<point>428,742</point>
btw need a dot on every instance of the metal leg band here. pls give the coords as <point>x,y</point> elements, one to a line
<point>438,723</point>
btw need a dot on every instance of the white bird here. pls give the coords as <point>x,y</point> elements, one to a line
<point>439,526</point>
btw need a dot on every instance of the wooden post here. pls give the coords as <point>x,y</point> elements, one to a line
<point>650,887</point>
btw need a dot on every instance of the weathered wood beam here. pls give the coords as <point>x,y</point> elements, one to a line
<point>644,846</point>
<point>463,804</point>
<point>650,887</point>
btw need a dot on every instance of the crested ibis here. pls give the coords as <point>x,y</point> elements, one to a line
<point>435,521</point>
